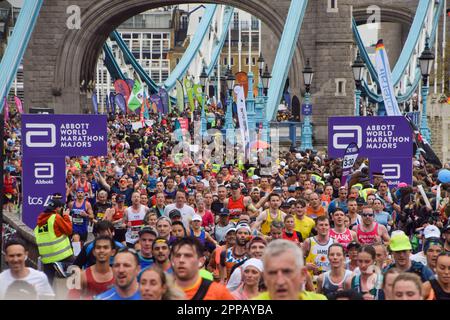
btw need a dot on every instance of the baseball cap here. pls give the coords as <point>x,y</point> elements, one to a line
<point>255,177</point>
<point>257,239</point>
<point>230,230</point>
<point>285,205</point>
<point>224,212</point>
<point>80,190</point>
<point>431,231</point>
<point>196,217</point>
<point>402,185</point>
<point>148,230</point>
<point>400,242</point>
<point>235,186</point>
<point>174,213</point>
<point>256,189</point>
<point>243,226</point>
<point>360,201</point>
<point>54,204</point>
<point>292,188</point>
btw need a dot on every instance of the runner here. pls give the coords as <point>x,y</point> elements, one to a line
<point>340,202</point>
<point>125,271</point>
<point>407,286</point>
<point>289,233</point>
<point>370,232</point>
<point>337,278</point>
<point>154,284</point>
<point>352,262</point>
<point>187,212</point>
<point>284,273</point>
<point>315,208</point>
<point>316,248</point>
<point>81,212</point>
<point>99,277</point>
<point>160,253</point>
<point>115,215</point>
<point>134,219</point>
<point>388,282</point>
<point>223,225</point>
<point>340,233</point>
<point>264,220</point>
<point>199,232</point>
<point>147,237</point>
<point>439,288</point>
<point>186,257</point>
<point>238,203</point>
<point>303,224</point>
<point>400,247</point>
<point>15,256</point>
<point>353,214</point>
<point>369,282</point>
<point>252,274</point>
<point>235,254</point>
<point>214,261</point>
<point>164,227</point>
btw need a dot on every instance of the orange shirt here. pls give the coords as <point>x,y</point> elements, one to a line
<point>216,291</point>
<point>310,212</point>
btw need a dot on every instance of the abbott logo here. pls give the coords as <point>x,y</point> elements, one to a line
<point>391,171</point>
<point>43,170</point>
<point>349,133</point>
<point>45,130</point>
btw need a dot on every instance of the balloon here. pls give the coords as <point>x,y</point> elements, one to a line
<point>444,176</point>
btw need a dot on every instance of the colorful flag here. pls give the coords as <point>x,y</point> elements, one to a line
<point>242,115</point>
<point>120,101</point>
<point>190,92</point>
<point>164,100</point>
<point>19,105</point>
<point>156,99</point>
<point>385,80</point>
<point>136,97</point>
<point>180,96</point>
<point>121,87</point>
<point>112,102</point>
<point>198,90</point>
<point>6,107</point>
<point>95,102</point>
<point>147,107</point>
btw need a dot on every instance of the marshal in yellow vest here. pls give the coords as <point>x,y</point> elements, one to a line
<point>52,248</point>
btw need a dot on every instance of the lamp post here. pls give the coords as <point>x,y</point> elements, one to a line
<point>229,126</point>
<point>308,75</point>
<point>266,76</point>
<point>426,62</point>
<point>259,104</point>
<point>203,79</point>
<point>358,73</point>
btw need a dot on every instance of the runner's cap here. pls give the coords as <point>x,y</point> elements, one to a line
<point>196,217</point>
<point>174,214</point>
<point>400,242</point>
<point>224,212</point>
<point>431,231</point>
<point>148,230</point>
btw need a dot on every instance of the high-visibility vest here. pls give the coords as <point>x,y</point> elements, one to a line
<point>52,248</point>
<point>365,192</point>
<point>216,167</point>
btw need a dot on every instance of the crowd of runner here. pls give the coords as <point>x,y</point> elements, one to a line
<point>143,225</point>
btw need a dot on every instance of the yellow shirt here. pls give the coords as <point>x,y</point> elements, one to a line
<point>265,226</point>
<point>305,295</point>
<point>304,226</point>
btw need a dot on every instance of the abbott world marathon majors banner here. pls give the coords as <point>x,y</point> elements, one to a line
<point>374,136</point>
<point>46,140</point>
<point>394,170</point>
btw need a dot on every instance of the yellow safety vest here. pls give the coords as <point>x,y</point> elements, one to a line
<point>52,248</point>
<point>216,167</point>
<point>265,226</point>
<point>364,193</point>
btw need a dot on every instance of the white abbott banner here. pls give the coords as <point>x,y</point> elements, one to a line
<point>242,115</point>
<point>385,80</point>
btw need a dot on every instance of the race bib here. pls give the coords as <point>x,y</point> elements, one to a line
<point>78,220</point>
<point>100,215</point>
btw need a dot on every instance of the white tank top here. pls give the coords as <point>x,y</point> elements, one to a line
<point>137,221</point>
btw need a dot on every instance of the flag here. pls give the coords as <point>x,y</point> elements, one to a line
<point>19,105</point>
<point>107,104</point>
<point>190,93</point>
<point>199,94</point>
<point>178,131</point>
<point>385,80</point>
<point>156,99</point>
<point>120,101</point>
<point>242,115</point>
<point>122,87</point>
<point>136,97</point>
<point>6,107</point>
<point>95,102</point>
<point>164,100</point>
<point>112,102</point>
<point>141,114</point>
<point>421,144</point>
<point>180,96</point>
<point>147,108</point>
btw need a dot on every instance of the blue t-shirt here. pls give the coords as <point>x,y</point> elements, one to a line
<point>382,218</point>
<point>112,294</point>
<point>336,203</point>
<point>144,262</point>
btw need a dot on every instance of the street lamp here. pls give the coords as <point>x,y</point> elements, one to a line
<point>266,79</point>
<point>358,73</point>
<point>229,127</point>
<point>260,64</point>
<point>426,62</point>
<point>308,75</point>
<point>203,79</point>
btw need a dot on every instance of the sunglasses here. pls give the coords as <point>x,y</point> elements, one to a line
<point>367,215</point>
